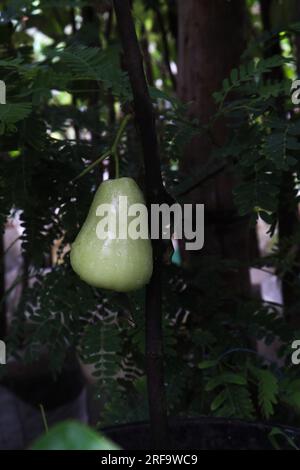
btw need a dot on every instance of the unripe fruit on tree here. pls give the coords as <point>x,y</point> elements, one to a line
<point>121,265</point>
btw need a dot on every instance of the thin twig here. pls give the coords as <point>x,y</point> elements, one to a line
<point>14,284</point>
<point>90,167</point>
<point>11,245</point>
<point>112,151</point>
<point>44,417</point>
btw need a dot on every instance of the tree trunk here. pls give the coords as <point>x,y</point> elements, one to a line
<point>211,40</point>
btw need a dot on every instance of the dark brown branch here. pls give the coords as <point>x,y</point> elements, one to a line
<point>210,171</point>
<point>154,193</point>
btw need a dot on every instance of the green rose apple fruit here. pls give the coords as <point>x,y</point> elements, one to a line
<point>104,254</point>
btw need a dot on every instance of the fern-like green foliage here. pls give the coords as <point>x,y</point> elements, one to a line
<point>101,347</point>
<point>233,401</point>
<point>102,66</point>
<point>248,72</point>
<point>267,390</point>
<point>11,113</point>
<point>263,143</point>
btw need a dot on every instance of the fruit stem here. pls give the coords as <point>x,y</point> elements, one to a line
<point>114,148</point>
<point>117,165</point>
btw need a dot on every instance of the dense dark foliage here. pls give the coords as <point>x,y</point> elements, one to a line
<point>67,91</point>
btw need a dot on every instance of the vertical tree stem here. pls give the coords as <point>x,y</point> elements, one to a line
<point>154,193</point>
